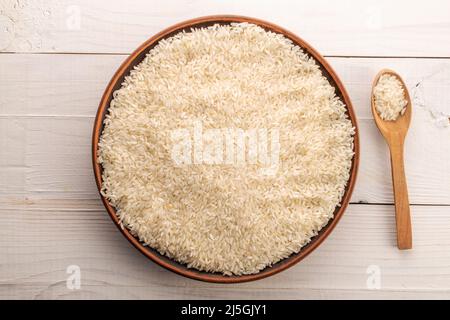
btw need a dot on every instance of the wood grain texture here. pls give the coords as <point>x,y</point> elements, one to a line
<point>40,239</point>
<point>400,187</point>
<point>351,27</point>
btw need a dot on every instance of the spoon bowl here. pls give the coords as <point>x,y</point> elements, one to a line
<point>396,127</point>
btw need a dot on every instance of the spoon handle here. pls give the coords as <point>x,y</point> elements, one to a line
<point>402,214</point>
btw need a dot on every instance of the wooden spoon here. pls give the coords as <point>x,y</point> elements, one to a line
<point>394,132</point>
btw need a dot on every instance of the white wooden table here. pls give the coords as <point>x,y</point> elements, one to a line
<point>57,57</point>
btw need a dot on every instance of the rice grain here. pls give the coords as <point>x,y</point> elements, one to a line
<point>390,100</point>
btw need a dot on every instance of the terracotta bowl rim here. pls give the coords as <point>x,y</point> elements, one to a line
<point>136,57</point>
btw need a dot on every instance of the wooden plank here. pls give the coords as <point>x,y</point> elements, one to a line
<point>41,238</point>
<point>54,85</point>
<point>51,158</point>
<point>46,119</point>
<point>352,27</point>
<point>72,84</point>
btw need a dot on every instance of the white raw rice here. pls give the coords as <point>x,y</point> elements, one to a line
<point>224,218</point>
<point>390,100</point>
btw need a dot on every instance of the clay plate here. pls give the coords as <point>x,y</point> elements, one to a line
<point>135,58</point>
